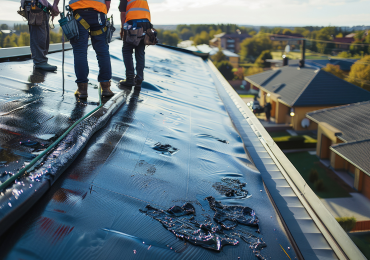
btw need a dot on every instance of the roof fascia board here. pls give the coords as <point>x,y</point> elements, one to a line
<point>328,226</point>
<point>348,160</point>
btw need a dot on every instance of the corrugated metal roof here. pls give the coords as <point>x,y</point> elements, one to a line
<point>355,152</point>
<point>309,87</point>
<point>352,120</point>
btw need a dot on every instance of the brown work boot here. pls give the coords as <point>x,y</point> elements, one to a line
<point>105,89</point>
<point>81,92</point>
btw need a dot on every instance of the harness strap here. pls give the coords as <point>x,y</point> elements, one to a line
<point>87,26</point>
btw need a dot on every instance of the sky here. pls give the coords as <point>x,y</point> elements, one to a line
<point>246,12</point>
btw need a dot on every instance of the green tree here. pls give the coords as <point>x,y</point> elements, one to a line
<point>335,70</point>
<point>170,38</point>
<point>186,34</point>
<point>24,39</point>
<point>218,57</point>
<point>251,48</point>
<point>339,35</point>
<point>4,27</point>
<point>261,60</point>
<point>253,70</point>
<point>360,73</point>
<point>226,69</point>
<point>287,32</point>
<point>202,38</point>
<point>9,42</point>
<point>359,35</point>
<point>344,54</point>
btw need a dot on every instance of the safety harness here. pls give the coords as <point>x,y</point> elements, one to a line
<point>87,26</point>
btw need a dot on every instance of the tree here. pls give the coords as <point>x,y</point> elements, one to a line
<point>218,57</point>
<point>24,39</point>
<point>9,42</point>
<point>360,73</point>
<point>251,48</point>
<point>253,70</point>
<point>287,32</point>
<point>344,54</point>
<point>226,69</point>
<point>335,70</point>
<point>340,35</point>
<point>202,38</point>
<point>261,60</point>
<point>240,73</point>
<point>168,37</point>
<point>4,27</point>
<point>186,34</point>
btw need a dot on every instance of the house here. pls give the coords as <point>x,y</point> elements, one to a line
<point>344,138</point>
<point>233,58</point>
<point>344,64</point>
<point>343,44</point>
<point>279,40</point>
<point>294,91</point>
<point>229,41</point>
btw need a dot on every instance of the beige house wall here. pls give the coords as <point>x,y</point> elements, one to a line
<point>326,136</point>
<point>234,61</point>
<point>300,114</point>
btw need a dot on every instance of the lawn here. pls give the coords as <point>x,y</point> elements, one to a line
<point>362,241</point>
<point>304,162</point>
<point>246,96</point>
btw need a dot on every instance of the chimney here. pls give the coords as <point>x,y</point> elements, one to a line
<point>285,60</point>
<point>301,62</point>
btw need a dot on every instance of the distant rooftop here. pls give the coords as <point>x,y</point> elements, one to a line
<point>204,48</point>
<point>352,120</point>
<point>308,87</point>
<point>355,152</point>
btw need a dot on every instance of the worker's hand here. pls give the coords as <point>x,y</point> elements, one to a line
<point>122,34</point>
<point>54,12</point>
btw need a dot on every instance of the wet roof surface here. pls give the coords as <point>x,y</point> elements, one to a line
<point>129,191</point>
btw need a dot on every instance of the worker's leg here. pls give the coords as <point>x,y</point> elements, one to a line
<point>140,61</point>
<point>127,51</point>
<point>80,54</point>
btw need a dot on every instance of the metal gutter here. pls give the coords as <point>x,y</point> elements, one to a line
<point>328,227</point>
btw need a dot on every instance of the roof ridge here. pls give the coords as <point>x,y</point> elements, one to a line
<point>304,88</point>
<point>351,142</point>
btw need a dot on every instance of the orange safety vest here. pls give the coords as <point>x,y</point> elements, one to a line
<point>137,9</point>
<point>98,5</point>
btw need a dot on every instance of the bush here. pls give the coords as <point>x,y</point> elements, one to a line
<point>226,69</point>
<point>314,176</point>
<point>319,185</point>
<point>347,223</point>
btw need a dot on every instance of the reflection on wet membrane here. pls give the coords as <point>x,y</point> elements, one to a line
<point>29,143</point>
<point>231,187</point>
<point>211,234</point>
<point>165,149</point>
<point>213,137</point>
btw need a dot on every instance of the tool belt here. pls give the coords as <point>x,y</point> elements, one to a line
<point>87,26</point>
<point>30,7</point>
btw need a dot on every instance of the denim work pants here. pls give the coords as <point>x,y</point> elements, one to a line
<point>39,41</point>
<point>127,51</point>
<point>99,44</point>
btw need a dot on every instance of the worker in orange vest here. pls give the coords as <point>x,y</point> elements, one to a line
<point>91,19</point>
<point>134,14</point>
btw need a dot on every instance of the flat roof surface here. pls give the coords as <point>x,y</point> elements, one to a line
<point>177,172</point>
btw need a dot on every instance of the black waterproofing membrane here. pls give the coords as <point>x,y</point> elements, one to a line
<point>165,177</point>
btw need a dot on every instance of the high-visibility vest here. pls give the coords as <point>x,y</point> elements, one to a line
<point>137,9</point>
<point>98,5</point>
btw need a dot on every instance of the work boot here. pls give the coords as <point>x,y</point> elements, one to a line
<point>105,87</point>
<point>46,66</point>
<point>81,92</point>
<point>128,82</point>
<point>138,84</point>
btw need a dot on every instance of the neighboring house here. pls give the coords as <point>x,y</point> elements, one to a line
<point>204,48</point>
<point>293,92</point>
<point>343,44</point>
<point>229,41</point>
<point>344,64</point>
<point>283,40</point>
<point>185,44</point>
<point>344,138</point>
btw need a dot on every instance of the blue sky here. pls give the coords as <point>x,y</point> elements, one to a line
<point>253,12</point>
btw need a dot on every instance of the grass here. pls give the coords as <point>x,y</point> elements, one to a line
<point>278,134</point>
<point>362,241</point>
<point>304,162</point>
<point>246,96</point>
<point>308,139</point>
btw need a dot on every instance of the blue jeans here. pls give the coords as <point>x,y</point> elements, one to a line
<point>99,44</point>
<point>127,51</point>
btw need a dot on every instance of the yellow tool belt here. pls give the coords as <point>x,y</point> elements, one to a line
<point>87,26</point>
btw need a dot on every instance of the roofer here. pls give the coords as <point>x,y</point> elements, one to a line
<point>38,12</point>
<point>135,14</point>
<point>91,19</point>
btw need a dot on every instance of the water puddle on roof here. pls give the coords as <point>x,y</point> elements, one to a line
<point>228,226</point>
